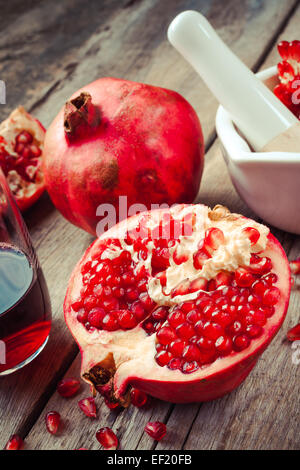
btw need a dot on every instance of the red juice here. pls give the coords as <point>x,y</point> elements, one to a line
<point>25,311</point>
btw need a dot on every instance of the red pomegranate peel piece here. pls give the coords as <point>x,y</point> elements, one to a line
<point>21,147</point>
<point>230,326</point>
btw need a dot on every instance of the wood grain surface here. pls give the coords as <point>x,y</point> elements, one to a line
<point>57,47</point>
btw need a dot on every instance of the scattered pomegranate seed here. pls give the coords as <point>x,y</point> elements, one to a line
<point>107,438</point>
<point>52,421</point>
<point>88,406</point>
<point>68,387</point>
<point>138,398</point>
<point>294,333</point>
<point>156,430</point>
<point>15,442</point>
<point>295,266</point>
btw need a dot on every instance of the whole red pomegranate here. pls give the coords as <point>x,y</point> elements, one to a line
<point>21,147</point>
<point>120,138</point>
<point>179,303</point>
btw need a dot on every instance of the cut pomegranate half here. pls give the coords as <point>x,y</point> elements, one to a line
<point>182,340</point>
<point>289,75</point>
<point>21,147</point>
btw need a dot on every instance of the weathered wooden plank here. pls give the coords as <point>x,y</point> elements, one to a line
<point>134,47</point>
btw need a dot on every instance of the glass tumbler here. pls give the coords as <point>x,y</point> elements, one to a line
<point>25,310</point>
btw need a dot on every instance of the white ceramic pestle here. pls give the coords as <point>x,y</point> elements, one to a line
<point>256,111</point>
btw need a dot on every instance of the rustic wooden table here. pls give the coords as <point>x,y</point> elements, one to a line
<point>47,51</point>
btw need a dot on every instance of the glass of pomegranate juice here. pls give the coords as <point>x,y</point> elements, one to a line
<point>25,312</point>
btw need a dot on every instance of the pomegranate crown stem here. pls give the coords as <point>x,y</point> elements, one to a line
<point>81,116</point>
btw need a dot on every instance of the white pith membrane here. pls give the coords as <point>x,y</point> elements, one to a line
<point>132,352</point>
<point>19,120</point>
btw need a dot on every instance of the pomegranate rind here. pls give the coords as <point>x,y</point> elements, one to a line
<point>19,120</point>
<point>142,372</point>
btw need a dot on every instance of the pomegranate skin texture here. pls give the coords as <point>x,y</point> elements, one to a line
<point>121,138</point>
<point>155,314</point>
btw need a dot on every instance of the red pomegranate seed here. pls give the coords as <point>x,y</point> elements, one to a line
<point>34,151</point>
<point>147,302</point>
<point>223,318</point>
<point>160,313</point>
<point>235,328</point>
<point>189,367</point>
<point>138,398</point>
<point>267,311</point>
<point>163,358</point>
<point>126,319</point>
<point>295,266</point>
<point>241,342</point>
<point>175,318</point>
<point>294,333</point>
<point>224,345</point>
<point>223,278</point>
<point>90,302</point>
<point>110,304</point>
<point>52,421</point>
<point>132,294</point>
<point>212,330</point>
<point>259,287</point>
<point>175,363</point>
<point>24,137</point>
<point>68,387</point>
<point>88,406</point>
<point>156,430</point>
<point>201,256</point>
<point>110,322</point>
<point>243,278</point>
<point>193,316</point>
<point>257,317</point>
<point>107,438</point>
<point>271,296</point>
<point>270,278</point>
<point>181,289</point>
<point>95,317</point>
<point>294,50</point>
<point>259,265</point>
<point>176,348</point>
<point>283,49</point>
<point>185,331</point>
<point>138,310</point>
<point>254,331</point>
<point>252,233</point>
<point>205,344</point>
<point>82,316</point>
<point>15,442</point>
<point>198,284</point>
<point>76,306</point>
<point>166,335</point>
<point>191,353</point>
<point>214,237</point>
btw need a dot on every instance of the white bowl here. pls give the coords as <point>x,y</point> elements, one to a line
<point>268,182</point>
